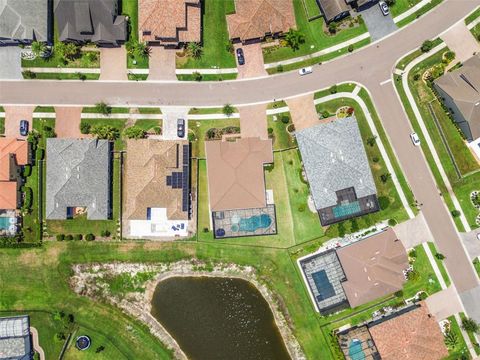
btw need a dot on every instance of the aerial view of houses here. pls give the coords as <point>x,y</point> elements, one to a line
<point>239,179</point>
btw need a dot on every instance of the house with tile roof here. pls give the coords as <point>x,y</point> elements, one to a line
<point>460,91</point>
<point>236,187</point>
<point>78,178</point>
<point>170,23</point>
<point>156,188</point>
<point>96,21</point>
<point>25,21</point>
<point>14,155</point>
<point>337,168</point>
<point>253,20</point>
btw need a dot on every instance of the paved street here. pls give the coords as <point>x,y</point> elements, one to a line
<point>371,66</point>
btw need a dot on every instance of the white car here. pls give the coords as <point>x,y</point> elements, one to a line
<point>305,70</point>
<point>415,139</point>
<point>384,7</point>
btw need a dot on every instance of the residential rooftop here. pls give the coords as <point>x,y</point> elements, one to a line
<point>373,267</point>
<point>13,154</point>
<point>332,9</point>
<point>169,22</point>
<point>78,175</point>
<point>254,19</point>
<point>337,168</point>
<point>24,20</point>
<point>412,334</point>
<point>97,21</point>
<point>15,339</point>
<point>236,173</point>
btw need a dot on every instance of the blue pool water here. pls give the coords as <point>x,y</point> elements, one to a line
<point>253,223</point>
<point>346,210</point>
<point>355,351</point>
<point>4,223</point>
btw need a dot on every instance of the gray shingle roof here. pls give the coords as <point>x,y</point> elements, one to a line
<point>78,175</point>
<point>90,20</point>
<point>24,20</point>
<point>334,159</point>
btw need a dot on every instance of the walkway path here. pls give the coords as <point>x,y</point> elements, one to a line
<point>36,343</point>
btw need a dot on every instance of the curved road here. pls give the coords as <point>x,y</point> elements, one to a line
<point>371,66</point>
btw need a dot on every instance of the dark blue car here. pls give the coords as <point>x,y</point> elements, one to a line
<point>23,127</point>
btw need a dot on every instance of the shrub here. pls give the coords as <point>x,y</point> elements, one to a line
<point>157,130</point>
<point>294,38</point>
<point>228,109</point>
<point>28,197</point>
<point>350,48</point>
<point>325,114</point>
<point>197,76</point>
<point>427,46</point>
<point>105,233</point>
<point>470,325</point>
<point>399,293</point>
<point>270,131</point>
<point>77,237</point>
<point>333,89</point>
<point>40,154</point>
<point>384,202</point>
<point>301,208</point>
<point>205,230</point>
<point>191,137</point>
<point>60,237</point>
<point>81,76</point>
<point>422,296</point>
<point>89,237</point>
<point>392,222</point>
<point>48,132</point>
<point>28,74</point>
<point>372,140</point>
<point>285,119</point>
<point>416,77</point>
<point>27,170</point>
<point>85,127</point>
<point>280,68</point>
<point>332,27</point>
<point>390,2</point>
<point>105,132</point>
<point>375,159</point>
<point>413,253</point>
<point>69,237</point>
<point>413,275</point>
<point>455,213</point>
<point>440,256</point>
<point>449,56</point>
<point>385,177</point>
<point>134,132</point>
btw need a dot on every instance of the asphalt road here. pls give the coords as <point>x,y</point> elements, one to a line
<point>370,66</point>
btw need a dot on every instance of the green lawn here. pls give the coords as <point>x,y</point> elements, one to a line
<point>312,7</point>
<point>149,110</point>
<point>476,31</point>
<point>200,128</point>
<point>471,336</point>
<point>429,6</point>
<point>60,76</point>
<point>401,6</point>
<point>113,110</point>
<point>461,348</point>
<point>476,265</point>
<point>281,138</point>
<point>440,264</point>
<point>86,59</point>
<point>208,77</point>
<point>130,8</point>
<point>148,124</point>
<point>215,38</point>
<point>2,125</point>
<point>473,16</point>
<point>316,38</point>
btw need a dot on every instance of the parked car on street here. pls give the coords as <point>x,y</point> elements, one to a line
<point>23,127</point>
<point>384,7</point>
<point>415,139</point>
<point>240,57</point>
<point>305,70</point>
<point>181,128</point>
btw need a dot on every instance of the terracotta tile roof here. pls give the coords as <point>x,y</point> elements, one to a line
<point>147,166</point>
<point>11,146</point>
<point>8,195</point>
<point>235,173</point>
<point>414,335</point>
<point>169,21</point>
<point>373,267</point>
<point>255,18</point>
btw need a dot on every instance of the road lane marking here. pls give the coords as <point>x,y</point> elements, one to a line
<point>386,81</point>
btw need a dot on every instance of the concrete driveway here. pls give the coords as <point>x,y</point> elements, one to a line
<point>378,25</point>
<point>162,64</point>
<point>10,62</point>
<point>67,122</point>
<point>303,112</point>
<point>13,115</point>
<point>460,40</point>
<point>254,65</point>
<point>113,63</point>
<point>253,121</point>
<point>444,303</point>
<point>170,117</point>
<point>413,232</point>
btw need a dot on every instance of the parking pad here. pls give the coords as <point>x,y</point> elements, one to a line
<point>378,25</point>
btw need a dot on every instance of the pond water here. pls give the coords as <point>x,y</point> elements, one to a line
<point>218,318</point>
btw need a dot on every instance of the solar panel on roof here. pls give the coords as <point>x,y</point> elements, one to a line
<point>169,181</point>
<point>324,287</point>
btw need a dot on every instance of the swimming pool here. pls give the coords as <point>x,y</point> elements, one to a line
<point>253,223</point>
<point>355,351</point>
<point>5,222</point>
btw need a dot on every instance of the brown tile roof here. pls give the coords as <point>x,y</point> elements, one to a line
<point>373,267</point>
<point>235,173</point>
<point>414,335</point>
<point>8,195</point>
<point>169,21</point>
<point>147,166</point>
<point>11,146</point>
<point>255,18</point>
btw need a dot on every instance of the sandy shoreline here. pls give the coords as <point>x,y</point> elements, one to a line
<point>89,280</point>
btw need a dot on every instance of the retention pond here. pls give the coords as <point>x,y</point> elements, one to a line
<point>218,318</point>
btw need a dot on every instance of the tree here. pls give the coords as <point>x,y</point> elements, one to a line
<point>341,229</point>
<point>38,48</point>
<point>89,237</point>
<point>197,76</point>
<point>48,132</point>
<point>333,89</point>
<point>138,49</point>
<point>371,140</point>
<point>455,213</point>
<point>228,109</point>
<point>194,50</point>
<point>385,177</point>
<point>350,48</point>
<point>451,339</point>
<point>470,325</point>
<point>332,27</point>
<point>103,108</point>
<point>285,119</point>
<point>105,132</point>
<point>427,46</point>
<point>28,74</point>
<point>105,233</point>
<point>85,127</point>
<point>390,2</point>
<point>294,39</point>
<point>440,256</point>
<point>134,132</point>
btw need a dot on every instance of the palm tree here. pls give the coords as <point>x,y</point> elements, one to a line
<point>38,48</point>
<point>228,109</point>
<point>194,50</point>
<point>451,339</point>
<point>141,49</point>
